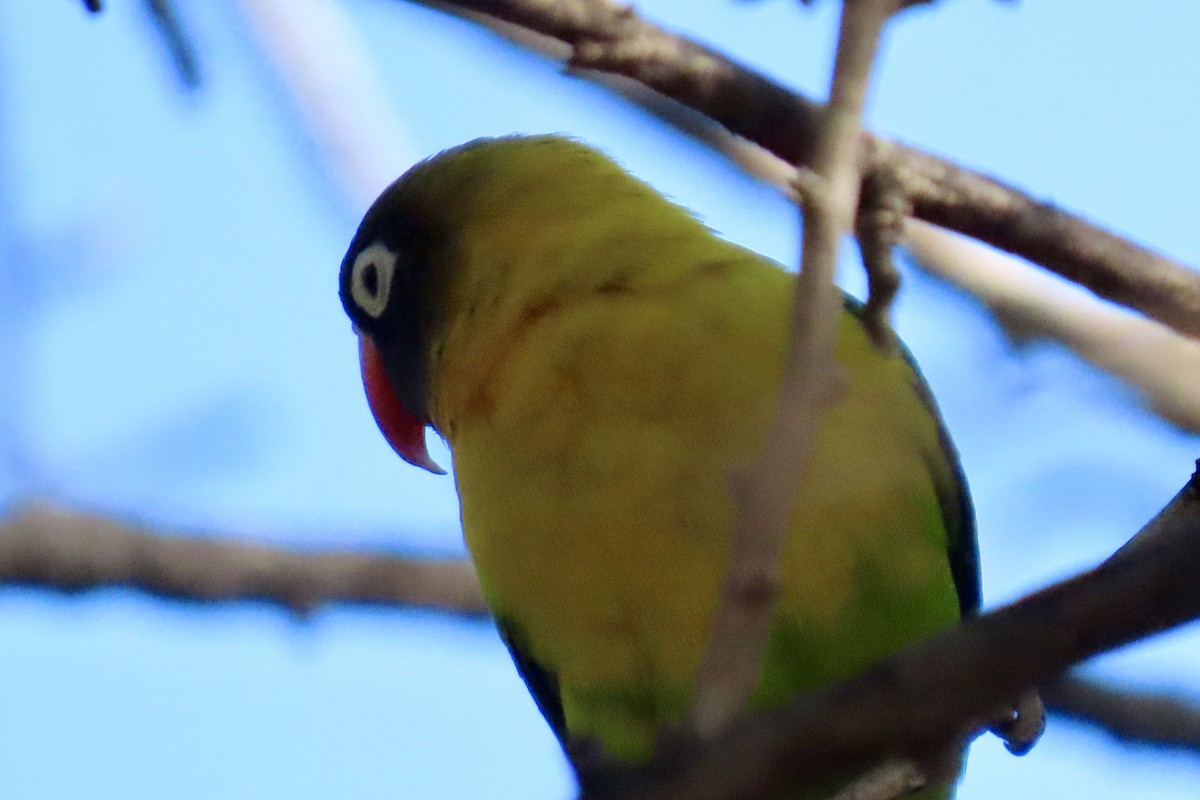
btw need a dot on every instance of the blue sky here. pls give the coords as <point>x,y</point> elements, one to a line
<point>174,352</point>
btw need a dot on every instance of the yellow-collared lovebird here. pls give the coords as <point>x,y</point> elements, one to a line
<point>598,361</point>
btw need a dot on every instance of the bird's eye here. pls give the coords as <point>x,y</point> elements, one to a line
<point>371,279</point>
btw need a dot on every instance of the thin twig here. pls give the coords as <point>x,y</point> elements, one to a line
<point>177,41</point>
<point>606,36</point>
<point>879,225</point>
<point>72,552</point>
<point>812,384</point>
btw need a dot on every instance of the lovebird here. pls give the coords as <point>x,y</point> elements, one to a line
<point>598,361</point>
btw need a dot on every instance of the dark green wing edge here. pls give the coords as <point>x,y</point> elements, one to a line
<point>541,682</point>
<point>962,544</point>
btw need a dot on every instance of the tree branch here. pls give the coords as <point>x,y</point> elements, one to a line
<point>925,698</point>
<point>811,385</point>
<point>177,41</point>
<point>339,96</point>
<point>1146,354</point>
<point>1154,719</point>
<point>610,38</point>
<point>72,552</point>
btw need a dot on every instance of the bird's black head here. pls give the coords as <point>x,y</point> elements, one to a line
<point>384,288</point>
<point>407,249</point>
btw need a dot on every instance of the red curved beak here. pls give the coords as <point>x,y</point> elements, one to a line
<point>404,430</point>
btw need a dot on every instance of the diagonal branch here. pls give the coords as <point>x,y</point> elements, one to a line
<point>339,97</point>
<point>926,697</point>
<point>1146,354</point>
<point>71,552</point>
<point>604,36</point>
<point>176,39</point>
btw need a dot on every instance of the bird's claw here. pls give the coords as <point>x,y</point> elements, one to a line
<point>1021,725</point>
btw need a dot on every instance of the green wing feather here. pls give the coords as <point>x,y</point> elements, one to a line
<point>950,482</point>
<point>957,515</point>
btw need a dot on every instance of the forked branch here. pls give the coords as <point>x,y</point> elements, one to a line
<point>812,384</point>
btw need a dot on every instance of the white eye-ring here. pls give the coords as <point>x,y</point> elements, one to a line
<point>371,278</point>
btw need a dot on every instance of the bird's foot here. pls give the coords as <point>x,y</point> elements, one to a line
<point>1021,725</point>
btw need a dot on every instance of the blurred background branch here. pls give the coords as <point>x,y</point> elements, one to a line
<point>173,35</point>
<point>50,548</point>
<point>177,41</point>
<point>1159,362</point>
<point>1132,717</point>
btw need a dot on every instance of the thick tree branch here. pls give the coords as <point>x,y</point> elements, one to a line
<point>605,36</point>
<point>927,697</point>
<point>73,552</point>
